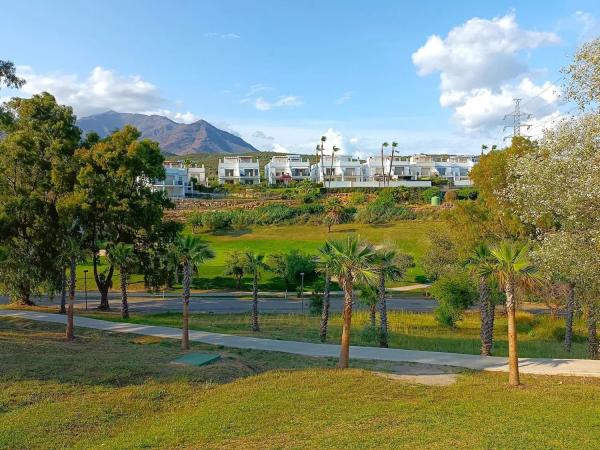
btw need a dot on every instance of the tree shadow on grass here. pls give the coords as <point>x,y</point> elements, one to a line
<point>232,233</point>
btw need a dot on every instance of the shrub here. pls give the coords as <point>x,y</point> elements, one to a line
<point>467,193</point>
<point>383,210</point>
<point>428,193</point>
<point>455,292</point>
<point>216,220</point>
<point>450,197</point>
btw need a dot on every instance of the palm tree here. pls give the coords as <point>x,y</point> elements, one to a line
<point>323,140</point>
<point>334,150</point>
<point>352,262</point>
<point>384,145</point>
<point>510,265</point>
<point>334,210</point>
<point>323,266</point>
<point>394,145</point>
<point>192,252</point>
<point>123,257</point>
<point>480,263</point>
<point>254,264</point>
<point>389,265</point>
<point>369,297</point>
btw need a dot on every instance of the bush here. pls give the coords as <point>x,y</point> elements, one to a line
<point>467,193</point>
<point>428,193</point>
<point>383,210</point>
<point>216,220</point>
<point>450,197</point>
<point>370,334</point>
<point>455,292</point>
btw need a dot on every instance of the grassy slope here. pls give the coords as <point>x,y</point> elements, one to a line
<point>409,236</point>
<point>119,392</point>
<point>539,336</point>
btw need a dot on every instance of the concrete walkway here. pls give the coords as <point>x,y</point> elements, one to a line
<point>541,366</point>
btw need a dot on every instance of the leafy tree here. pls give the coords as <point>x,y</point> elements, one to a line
<point>8,75</point>
<point>288,266</point>
<point>122,256</point>
<point>352,262</point>
<point>235,265</point>
<point>455,293</point>
<point>510,265</point>
<point>254,265</point>
<point>192,252</point>
<point>119,204</point>
<point>334,212</point>
<point>390,265</point>
<point>582,76</point>
<point>440,257</point>
<point>74,253</point>
<point>36,172</point>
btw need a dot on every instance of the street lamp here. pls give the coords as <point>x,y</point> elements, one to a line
<point>85,287</point>
<point>302,290</point>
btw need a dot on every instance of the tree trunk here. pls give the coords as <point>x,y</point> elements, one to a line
<point>487,311</point>
<point>513,359</point>
<point>383,334</point>
<point>187,279</point>
<point>124,304</point>
<point>255,326</point>
<point>391,166</point>
<point>238,282</point>
<point>103,283</point>
<point>70,333</point>
<point>63,293</point>
<point>325,311</point>
<point>348,285</point>
<point>372,313</point>
<point>569,318</point>
<point>592,344</point>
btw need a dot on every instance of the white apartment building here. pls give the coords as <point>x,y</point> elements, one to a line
<point>453,167</point>
<point>286,168</point>
<point>374,170</point>
<point>180,181</point>
<point>341,168</point>
<point>239,169</point>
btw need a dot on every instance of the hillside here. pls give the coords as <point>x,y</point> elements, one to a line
<point>174,138</point>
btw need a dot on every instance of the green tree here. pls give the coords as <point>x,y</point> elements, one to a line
<point>122,256</point>
<point>510,265</point>
<point>254,265</point>
<point>352,261</point>
<point>74,253</point>
<point>235,265</point>
<point>369,297</point>
<point>334,212</point>
<point>120,205</point>
<point>390,265</point>
<point>36,172</point>
<point>455,292</point>
<point>288,266</point>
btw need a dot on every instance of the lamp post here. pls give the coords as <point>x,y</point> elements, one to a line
<point>85,287</point>
<point>302,290</point>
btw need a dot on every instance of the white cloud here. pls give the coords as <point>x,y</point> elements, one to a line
<point>100,91</point>
<point>481,70</point>
<point>344,98</point>
<point>288,101</point>
<point>222,35</point>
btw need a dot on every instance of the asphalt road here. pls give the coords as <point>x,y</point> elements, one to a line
<point>223,303</point>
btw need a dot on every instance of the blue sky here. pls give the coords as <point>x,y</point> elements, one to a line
<point>434,76</point>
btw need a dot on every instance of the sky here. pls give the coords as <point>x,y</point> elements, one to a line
<point>434,76</point>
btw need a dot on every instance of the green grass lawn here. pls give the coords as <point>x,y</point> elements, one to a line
<point>539,336</point>
<point>119,391</point>
<point>410,236</point>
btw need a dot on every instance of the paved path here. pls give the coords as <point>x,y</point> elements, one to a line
<point>574,367</point>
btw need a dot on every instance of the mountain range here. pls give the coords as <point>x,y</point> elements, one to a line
<point>174,138</point>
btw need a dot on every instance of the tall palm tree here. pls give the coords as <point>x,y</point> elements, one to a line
<point>384,145</point>
<point>254,264</point>
<point>389,265</point>
<point>123,257</point>
<point>479,263</point>
<point>334,150</point>
<point>323,140</point>
<point>352,261</point>
<point>192,251</point>
<point>510,265</point>
<point>394,145</point>
<point>323,266</point>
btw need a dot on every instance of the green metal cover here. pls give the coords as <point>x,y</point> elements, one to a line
<point>197,359</point>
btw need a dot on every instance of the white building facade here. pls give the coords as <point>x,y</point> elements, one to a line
<point>287,168</point>
<point>238,170</point>
<point>180,181</point>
